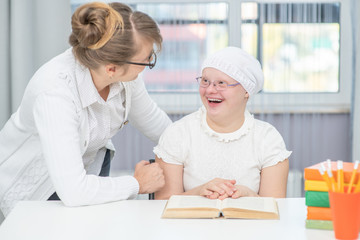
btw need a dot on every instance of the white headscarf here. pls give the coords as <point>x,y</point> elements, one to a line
<point>240,66</point>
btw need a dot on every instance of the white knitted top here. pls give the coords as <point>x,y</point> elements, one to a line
<point>206,154</point>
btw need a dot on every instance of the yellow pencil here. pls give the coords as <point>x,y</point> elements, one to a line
<point>352,179</point>
<point>332,180</point>
<point>328,161</point>
<point>325,176</point>
<point>357,188</point>
<point>340,177</point>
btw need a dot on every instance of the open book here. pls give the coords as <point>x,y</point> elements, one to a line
<point>201,207</point>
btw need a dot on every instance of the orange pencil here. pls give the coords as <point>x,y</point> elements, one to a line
<point>325,176</point>
<point>353,176</point>
<point>340,177</point>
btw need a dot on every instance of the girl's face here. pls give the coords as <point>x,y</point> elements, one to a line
<point>225,105</point>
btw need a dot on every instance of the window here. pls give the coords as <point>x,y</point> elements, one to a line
<point>190,31</point>
<point>305,53</point>
<point>299,44</point>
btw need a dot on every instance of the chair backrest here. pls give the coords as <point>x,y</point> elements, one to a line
<point>2,218</point>
<point>151,195</point>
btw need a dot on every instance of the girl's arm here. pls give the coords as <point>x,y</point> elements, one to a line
<point>173,174</point>
<point>273,180</point>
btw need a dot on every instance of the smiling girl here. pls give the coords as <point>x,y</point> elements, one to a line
<point>221,151</point>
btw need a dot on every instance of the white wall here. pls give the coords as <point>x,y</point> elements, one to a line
<point>4,62</point>
<point>32,32</point>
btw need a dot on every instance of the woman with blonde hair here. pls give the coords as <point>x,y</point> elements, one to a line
<point>57,145</point>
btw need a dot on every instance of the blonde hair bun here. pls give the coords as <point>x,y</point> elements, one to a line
<point>94,24</point>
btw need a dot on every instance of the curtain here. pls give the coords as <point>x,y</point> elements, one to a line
<point>32,32</point>
<point>356,81</point>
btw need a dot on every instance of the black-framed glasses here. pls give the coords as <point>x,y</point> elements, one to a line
<point>218,84</point>
<point>151,64</point>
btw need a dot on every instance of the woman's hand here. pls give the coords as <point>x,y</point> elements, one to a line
<point>149,176</point>
<point>218,188</point>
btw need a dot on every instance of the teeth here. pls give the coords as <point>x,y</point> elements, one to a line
<point>214,100</point>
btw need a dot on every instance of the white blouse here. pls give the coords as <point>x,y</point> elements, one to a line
<point>105,120</point>
<point>57,139</point>
<point>206,154</point>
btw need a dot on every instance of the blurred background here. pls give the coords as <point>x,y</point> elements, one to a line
<point>308,51</point>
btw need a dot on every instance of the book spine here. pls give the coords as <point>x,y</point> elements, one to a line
<point>320,186</point>
<point>312,172</point>
<point>317,199</point>
<point>318,213</point>
<point>319,224</point>
<point>311,185</point>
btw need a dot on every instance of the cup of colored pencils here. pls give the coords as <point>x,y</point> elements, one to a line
<point>344,200</point>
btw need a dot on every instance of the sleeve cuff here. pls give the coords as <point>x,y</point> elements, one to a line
<point>130,186</point>
<point>165,157</point>
<point>280,158</point>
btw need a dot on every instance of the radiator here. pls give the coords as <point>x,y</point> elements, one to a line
<point>295,184</point>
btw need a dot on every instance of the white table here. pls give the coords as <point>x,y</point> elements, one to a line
<point>141,219</point>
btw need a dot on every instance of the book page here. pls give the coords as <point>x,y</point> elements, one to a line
<point>180,201</point>
<point>262,204</point>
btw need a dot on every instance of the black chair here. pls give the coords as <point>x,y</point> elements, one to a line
<point>151,195</point>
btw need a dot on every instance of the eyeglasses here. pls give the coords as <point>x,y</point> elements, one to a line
<point>219,85</point>
<point>151,64</point>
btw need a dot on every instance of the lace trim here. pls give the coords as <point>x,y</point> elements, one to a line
<point>33,176</point>
<point>226,137</point>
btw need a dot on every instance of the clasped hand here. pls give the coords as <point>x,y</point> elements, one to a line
<point>149,176</point>
<point>219,188</point>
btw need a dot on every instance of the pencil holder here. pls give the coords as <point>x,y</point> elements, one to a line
<point>345,210</point>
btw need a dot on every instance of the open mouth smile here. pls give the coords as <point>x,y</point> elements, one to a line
<point>214,100</point>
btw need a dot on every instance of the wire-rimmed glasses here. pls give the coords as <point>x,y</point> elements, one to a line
<point>218,84</point>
